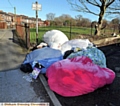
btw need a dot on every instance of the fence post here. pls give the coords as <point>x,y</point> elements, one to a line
<point>27,35</point>
<point>91,28</point>
<point>70,30</point>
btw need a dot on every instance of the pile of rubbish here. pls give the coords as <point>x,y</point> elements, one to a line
<point>73,67</point>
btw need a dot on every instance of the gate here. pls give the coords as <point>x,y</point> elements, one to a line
<point>3,25</point>
<point>23,34</point>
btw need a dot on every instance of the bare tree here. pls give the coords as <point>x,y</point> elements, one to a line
<point>78,19</point>
<point>50,16</point>
<point>65,18</point>
<point>58,21</point>
<point>101,6</point>
<point>115,24</point>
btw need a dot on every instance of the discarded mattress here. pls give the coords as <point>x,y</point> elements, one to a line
<point>77,76</point>
<point>81,43</point>
<point>55,38</point>
<point>96,55</point>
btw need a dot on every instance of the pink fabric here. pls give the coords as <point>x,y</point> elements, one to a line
<point>77,76</point>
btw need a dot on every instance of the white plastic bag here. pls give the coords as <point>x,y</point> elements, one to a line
<point>55,38</point>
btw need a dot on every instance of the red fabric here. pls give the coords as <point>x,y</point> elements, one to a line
<point>77,76</point>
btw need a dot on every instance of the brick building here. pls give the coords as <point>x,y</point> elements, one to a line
<point>8,20</point>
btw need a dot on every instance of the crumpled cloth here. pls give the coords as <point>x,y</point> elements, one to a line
<point>44,56</point>
<point>80,43</point>
<point>41,54</point>
<point>96,55</point>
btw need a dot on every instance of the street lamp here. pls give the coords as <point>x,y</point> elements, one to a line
<point>15,14</point>
<point>36,6</point>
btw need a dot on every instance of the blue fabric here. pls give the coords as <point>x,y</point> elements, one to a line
<point>47,62</point>
<point>41,54</point>
<point>45,56</point>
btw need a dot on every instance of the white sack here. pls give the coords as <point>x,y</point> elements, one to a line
<point>81,43</point>
<point>55,38</point>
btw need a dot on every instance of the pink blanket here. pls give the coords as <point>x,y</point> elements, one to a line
<point>77,76</point>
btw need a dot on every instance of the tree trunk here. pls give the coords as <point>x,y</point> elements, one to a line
<point>100,20</point>
<point>98,29</point>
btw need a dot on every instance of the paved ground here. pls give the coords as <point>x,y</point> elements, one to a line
<point>11,54</point>
<point>16,86</point>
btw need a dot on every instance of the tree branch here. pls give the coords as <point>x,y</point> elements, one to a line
<point>92,3</point>
<point>82,8</point>
<point>109,3</point>
<point>115,12</point>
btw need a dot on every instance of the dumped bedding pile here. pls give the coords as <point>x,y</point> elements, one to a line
<point>73,67</point>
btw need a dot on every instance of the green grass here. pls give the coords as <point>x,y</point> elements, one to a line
<point>75,31</point>
<point>66,30</point>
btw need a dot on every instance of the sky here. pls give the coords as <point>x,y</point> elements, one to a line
<point>58,7</point>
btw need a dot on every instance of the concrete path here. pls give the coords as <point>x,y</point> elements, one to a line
<point>16,86</point>
<point>11,54</point>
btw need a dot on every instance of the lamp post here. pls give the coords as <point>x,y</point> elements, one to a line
<point>15,14</point>
<point>36,6</point>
